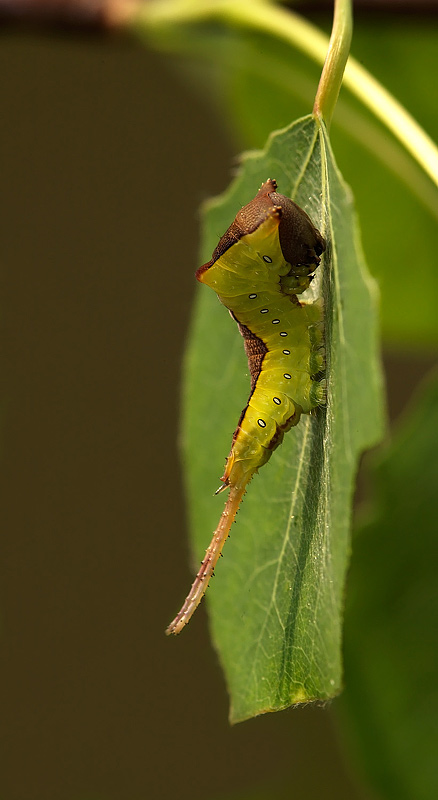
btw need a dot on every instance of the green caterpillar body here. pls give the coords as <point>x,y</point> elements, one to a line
<point>263,261</point>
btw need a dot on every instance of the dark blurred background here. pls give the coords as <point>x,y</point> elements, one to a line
<point>105,156</point>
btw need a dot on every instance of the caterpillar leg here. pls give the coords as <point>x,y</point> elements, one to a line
<point>212,554</point>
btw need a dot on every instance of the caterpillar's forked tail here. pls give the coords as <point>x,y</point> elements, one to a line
<point>212,554</point>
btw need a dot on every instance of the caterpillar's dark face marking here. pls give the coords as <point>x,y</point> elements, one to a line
<point>262,262</point>
<point>301,243</point>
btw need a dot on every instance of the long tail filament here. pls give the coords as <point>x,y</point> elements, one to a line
<point>212,554</point>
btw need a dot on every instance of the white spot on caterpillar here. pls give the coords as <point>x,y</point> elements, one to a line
<point>286,352</point>
<point>277,400</point>
<point>262,423</point>
<point>252,296</point>
<point>264,310</point>
<point>283,333</point>
<point>275,321</point>
<point>286,375</point>
<point>268,259</point>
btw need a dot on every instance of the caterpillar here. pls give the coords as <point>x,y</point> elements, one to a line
<point>262,262</point>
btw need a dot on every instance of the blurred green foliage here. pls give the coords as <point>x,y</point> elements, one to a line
<point>390,702</point>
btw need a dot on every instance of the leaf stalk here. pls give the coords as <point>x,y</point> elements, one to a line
<point>334,64</point>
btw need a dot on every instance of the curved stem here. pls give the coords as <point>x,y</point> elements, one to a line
<point>262,16</point>
<point>336,59</point>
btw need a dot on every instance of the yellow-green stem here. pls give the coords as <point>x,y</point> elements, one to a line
<point>261,15</point>
<point>336,59</point>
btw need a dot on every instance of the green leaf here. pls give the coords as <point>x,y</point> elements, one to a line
<point>391,649</point>
<point>276,601</point>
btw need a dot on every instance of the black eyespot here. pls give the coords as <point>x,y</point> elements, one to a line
<point>252,296</point>
<point>264,310</point>
<point>283,333</point>
<point>286,352</point>
<point>268,259</point>
<point>275,321</point>
<point>286,375</point>
<point>277,400</point>
<point>262,423</point>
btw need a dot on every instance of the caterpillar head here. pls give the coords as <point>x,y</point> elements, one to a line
<point>300,242</point>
